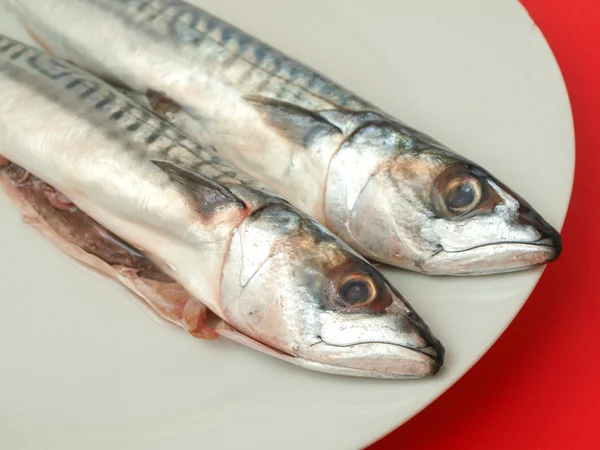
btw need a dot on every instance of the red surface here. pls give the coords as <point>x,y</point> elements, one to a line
<point>539,385</point>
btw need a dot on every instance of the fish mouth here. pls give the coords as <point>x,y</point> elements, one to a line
<point>554,243</point>
<point>433,351</point>
<point>437,353</point>
<point>499,257</point>
<point>365,359</point>
<point>377,359</point>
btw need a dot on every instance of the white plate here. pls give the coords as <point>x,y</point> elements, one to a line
<point>83,367</point>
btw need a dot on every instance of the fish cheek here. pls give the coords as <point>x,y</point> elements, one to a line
<point>391,233</point>
<point>477,230</point>
<point>277,304</point>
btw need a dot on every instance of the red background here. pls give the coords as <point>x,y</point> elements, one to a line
<point>547,396</point>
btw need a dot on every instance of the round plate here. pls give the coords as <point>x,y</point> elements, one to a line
<point>83,366</point>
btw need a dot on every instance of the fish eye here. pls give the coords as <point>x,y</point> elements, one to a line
<point>355,287</point>
<point>463,194</point>
<point>457,192</point>
<point>357,290</point>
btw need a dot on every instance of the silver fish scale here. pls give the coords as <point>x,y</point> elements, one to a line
<point>255,67</point>
<point>140,125</point>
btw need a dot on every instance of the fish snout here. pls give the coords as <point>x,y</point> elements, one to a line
<point>549,236</point>
<point>425,342</point>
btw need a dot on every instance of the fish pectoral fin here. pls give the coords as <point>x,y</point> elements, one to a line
<point>298,124</point>
<point>208,194</point>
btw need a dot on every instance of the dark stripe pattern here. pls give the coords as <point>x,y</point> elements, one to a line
<point>222,46</point>
<point>94,100</point>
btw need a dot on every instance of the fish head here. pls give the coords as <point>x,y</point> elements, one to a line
<point>414,203</point>
<point>291,285</point>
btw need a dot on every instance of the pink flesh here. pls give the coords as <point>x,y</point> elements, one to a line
<point>57,199</point>
<point>161,104</point>
<point>78,236</point>
<point>23,179</point>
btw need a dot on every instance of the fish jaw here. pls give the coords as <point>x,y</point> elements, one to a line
<point>378,360</point>
<point>494,258</point>
<point>409,363</point>
<point>395,342</point>
<point>535,242</point>
<point>509,237</point>
<point>366,360</point>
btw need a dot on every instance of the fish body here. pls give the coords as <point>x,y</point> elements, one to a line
<point>393,193</point>
<point>123,191</point>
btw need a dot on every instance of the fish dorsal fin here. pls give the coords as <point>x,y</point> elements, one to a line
<point>298,124</point>
<point>209,194</point>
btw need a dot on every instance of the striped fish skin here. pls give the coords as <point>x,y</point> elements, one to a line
<point>279,281</point>
<point>307,138</point>
<point>391,192</point>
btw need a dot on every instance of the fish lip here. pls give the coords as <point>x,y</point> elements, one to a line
<point>439,353</point>
<point>554,243</point>
<point>436,351</point>
<point>479,261</point>
<point>547,242</point>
